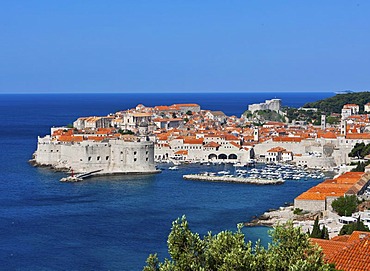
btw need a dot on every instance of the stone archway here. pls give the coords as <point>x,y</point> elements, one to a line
<point>222,156</point>
<point>212,156</point>
<point>233,156</point>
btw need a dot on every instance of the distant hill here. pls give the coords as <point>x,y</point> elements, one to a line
<point>335,104</point>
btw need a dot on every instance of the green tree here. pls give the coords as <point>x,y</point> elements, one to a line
<point>324,233</point>
<point>125,132</point>
<point>316,232</point>
<point>345,206</point>
<point>357,150</point>
<point>360,166</point>
<point>356,226</point>
<point>290,249</point>
<point>332,120</point>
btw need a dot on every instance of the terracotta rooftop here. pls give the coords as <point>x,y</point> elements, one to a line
<point>182,152</point>
<point>198,141</point>
<point>329,247</point>
<point>349,182</point>
<point>358,136</point>
<point>287,139</point>
<point>355,257</point>
<point>347,252</point>
<point>212,144</point>
<point>276,149</point>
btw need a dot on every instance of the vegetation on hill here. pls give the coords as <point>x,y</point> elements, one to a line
<point>262,116</point>
<point>290,249</point>
<point>308,116</point>
<point>335,104</point>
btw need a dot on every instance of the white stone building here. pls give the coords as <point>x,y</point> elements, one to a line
<point>274,105</point>
<point>111,156</point>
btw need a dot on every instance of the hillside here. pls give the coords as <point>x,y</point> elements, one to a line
<point>334,104</point>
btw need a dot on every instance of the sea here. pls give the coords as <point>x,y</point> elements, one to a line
<point>114,223</point>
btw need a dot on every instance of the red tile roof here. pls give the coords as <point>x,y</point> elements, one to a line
<point>212,144</point>
<point>354,257</point>
<point>347,252</point>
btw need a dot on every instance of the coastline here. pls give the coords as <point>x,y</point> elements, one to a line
<point>306,221</point>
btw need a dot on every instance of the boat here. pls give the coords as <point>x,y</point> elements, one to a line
<point>71,179</point>
<point>173,168</point>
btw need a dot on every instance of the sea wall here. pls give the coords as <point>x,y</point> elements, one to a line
<point>112,156</point>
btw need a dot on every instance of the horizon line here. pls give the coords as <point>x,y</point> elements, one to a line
<point>168,92</point>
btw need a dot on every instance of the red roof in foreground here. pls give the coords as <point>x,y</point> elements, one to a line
<point>355,257</point>
<point>348,254</point>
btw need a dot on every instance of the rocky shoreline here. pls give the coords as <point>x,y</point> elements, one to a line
<point>281,215</point>
<point>33,163</point>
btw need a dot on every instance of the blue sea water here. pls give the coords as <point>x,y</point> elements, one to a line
<point>113,223</point>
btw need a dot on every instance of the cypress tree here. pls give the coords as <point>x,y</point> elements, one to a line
<point>316,232</point>
<point>324,233</point>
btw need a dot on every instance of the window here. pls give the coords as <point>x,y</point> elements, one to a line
<point>107,158</point>
<point>134,152</point>
<point>98,158</point>
<point>89,159</point>
<point>146,159</point>
<point>135,159</point>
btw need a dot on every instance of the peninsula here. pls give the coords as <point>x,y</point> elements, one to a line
<point>133,140</point>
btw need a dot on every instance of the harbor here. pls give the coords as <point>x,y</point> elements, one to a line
<point>261,174</point>
<point>231,179</point>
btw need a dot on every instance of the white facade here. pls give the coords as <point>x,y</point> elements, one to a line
<point>367,107</point>
<point>227,152</point>
<point>274,105</point>
<point>346,112</point>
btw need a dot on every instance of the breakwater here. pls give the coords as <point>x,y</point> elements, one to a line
<point>231,179</point>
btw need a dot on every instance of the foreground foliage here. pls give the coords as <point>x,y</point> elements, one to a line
<point>290,249</point>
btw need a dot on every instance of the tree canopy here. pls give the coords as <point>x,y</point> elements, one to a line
<point>290,249</point>
<point>345,206</point>
<point>360,150</point>
<point>357,226</point>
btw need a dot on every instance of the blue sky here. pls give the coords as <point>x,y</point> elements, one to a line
<point>184,46</point>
